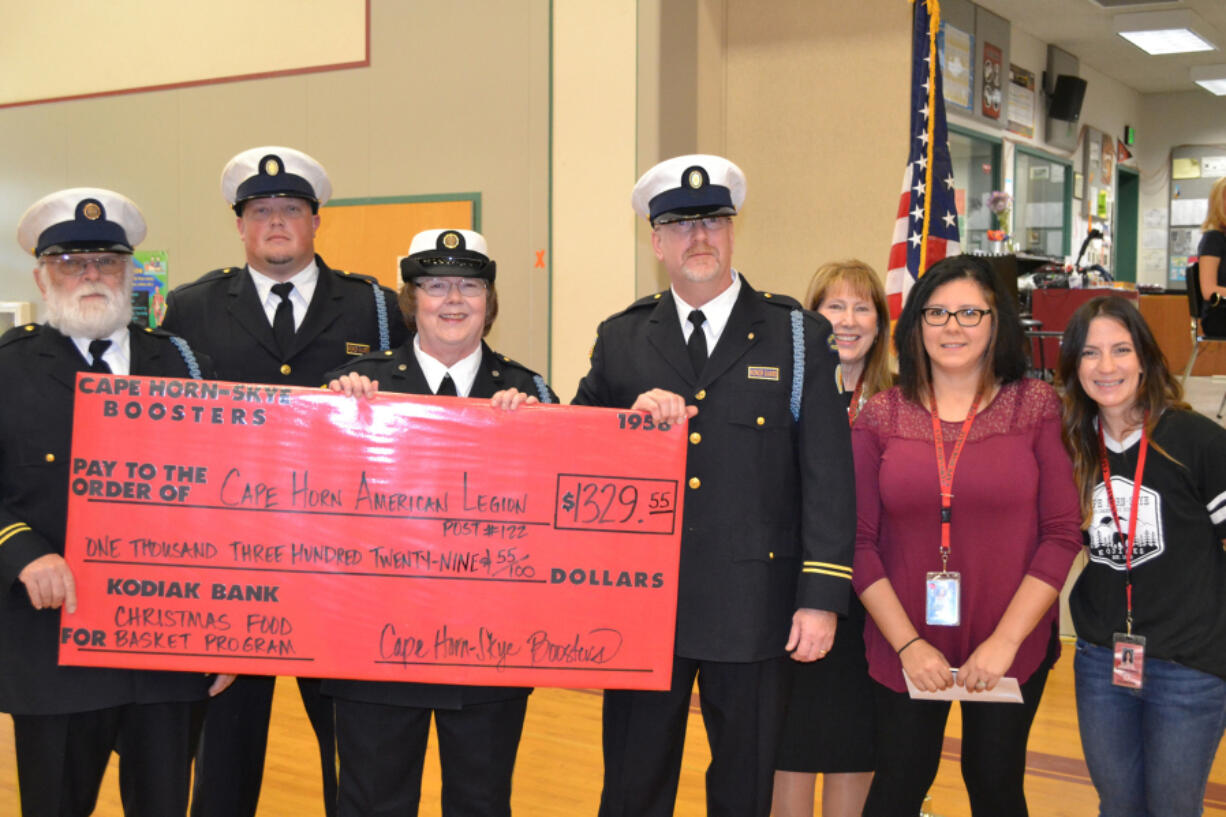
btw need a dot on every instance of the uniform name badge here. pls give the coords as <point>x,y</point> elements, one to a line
<point>1128,663</point>
<point>943,599</point>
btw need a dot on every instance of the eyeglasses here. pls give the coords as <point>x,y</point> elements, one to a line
<point>939,316</point>
<point>441,287</point>
<point>712,224</point>
<point>74,266</point>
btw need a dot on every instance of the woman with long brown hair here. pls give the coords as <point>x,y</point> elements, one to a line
<point>1148,608</point>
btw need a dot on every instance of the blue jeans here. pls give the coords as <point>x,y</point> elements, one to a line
<point>1149,750</point>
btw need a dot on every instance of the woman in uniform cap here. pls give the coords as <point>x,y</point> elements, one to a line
<point>449,302</point>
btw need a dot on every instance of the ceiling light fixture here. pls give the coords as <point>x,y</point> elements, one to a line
<point>1210,77</point>
<point>1164,32</point>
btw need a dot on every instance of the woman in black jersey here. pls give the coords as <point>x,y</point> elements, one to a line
<point>1149,607</point>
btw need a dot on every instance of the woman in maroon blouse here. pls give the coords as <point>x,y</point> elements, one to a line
<point>968,523</point>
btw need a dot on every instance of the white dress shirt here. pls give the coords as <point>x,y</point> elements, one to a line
<point>118,355</point>
<point>299,297</point>
<point>716,311</point>
<point>463,373</point>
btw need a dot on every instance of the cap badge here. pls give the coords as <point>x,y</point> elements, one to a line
<point>271,167</point>
<point>694,179</point>
<point>451,240</point>
<point>92,211</point>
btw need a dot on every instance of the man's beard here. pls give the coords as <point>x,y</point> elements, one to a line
<point>75,317</point>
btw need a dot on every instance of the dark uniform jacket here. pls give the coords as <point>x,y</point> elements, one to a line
<point>221,315</point>
<point>39,368</point>
<point>769,516</point>
<point>398,371</point>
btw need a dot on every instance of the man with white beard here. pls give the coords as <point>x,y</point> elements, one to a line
<point>68,720</point>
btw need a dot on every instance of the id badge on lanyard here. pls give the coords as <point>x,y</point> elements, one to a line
<point>1128,649</point>
<point>943,600</point>
<point>943,588</point>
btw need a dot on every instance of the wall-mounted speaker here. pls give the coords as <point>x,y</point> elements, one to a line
<point>1066,99</point>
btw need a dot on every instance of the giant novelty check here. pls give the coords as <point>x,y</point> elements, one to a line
<point>225,527</point>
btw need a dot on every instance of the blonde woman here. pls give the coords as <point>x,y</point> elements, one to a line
<point>1212,248</point>
<point>829,725</point>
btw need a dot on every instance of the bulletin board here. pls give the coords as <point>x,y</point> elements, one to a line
<point>369,235</point>
<point>1194,170</point>
<point>1098,174</point>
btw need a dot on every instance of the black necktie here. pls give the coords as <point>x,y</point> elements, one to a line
<point>97,348</point>
<point>698,342</point>
<point>283,320</point>
<point>447,387</point>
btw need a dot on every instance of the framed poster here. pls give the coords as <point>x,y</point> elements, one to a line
<point>956,47</point>
<point>992,81</point>
<point>149,287</point>
<point>1021,101</point>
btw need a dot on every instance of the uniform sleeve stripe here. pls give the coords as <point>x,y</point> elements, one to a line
<point>1217,516</point>
<point>1216,501</point>
<point>12,530</point>
<point>835,573</point>
<point>830,566</point>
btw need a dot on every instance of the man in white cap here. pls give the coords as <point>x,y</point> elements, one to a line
<point>67,720</point>
<point>284,317</point>
<point>769,519</point>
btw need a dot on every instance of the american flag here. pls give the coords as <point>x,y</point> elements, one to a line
<point>927,227</point>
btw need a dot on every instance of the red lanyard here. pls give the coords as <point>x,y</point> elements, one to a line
<point>1132,513</point>
<point>945,470</point>
<point>853,410</point>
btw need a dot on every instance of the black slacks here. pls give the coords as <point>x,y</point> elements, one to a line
<point>230,755</point>
<point>383,747</point>
<point>644,736</point>
<point>61,759</point>
<point>910,735</point>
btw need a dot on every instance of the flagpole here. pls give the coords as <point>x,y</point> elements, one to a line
<point>934,25</point>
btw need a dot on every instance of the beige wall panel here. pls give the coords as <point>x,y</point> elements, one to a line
<point>456,100</point>
<point>593,174</point>
<point>216,122</point>
<point>681,97</point>
<point>817,116</point>
<point>204,41</point>
<point>31,165</point>
<point>712,42</point>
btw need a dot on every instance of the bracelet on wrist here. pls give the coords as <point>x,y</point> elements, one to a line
<point>908,644</point>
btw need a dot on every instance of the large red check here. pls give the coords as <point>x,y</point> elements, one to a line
<point>225,527</point>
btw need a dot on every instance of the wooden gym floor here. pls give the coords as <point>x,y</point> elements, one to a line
<point>559,768</point>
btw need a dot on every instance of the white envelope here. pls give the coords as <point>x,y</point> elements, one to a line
<point>1007,691</point>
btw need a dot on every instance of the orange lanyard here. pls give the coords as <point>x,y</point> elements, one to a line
<point>945,470</point>
<point>1132,513</point>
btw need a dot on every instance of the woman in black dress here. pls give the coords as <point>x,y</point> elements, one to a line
<point>829,725</point>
